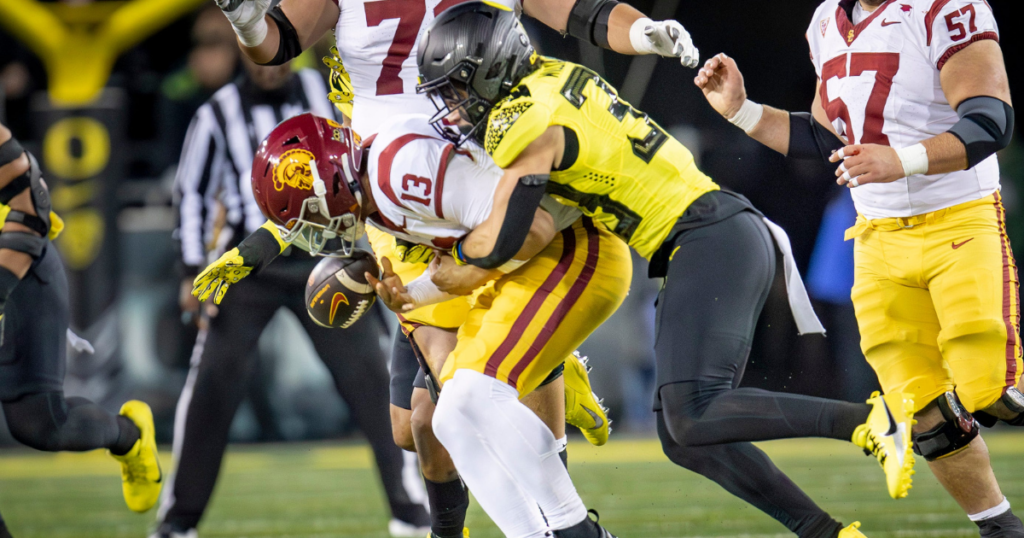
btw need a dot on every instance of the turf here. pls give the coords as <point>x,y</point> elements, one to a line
<point>322,490</point>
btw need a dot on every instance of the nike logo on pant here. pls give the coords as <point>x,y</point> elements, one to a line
<point>958,245</point>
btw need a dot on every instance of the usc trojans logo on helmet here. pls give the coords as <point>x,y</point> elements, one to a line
<point>294,171</point>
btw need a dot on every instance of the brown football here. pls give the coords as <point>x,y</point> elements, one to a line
<point>337,293</point>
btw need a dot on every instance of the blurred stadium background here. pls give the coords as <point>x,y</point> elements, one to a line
<point>110,157</point>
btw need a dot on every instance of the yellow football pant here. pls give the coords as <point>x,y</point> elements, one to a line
<point>936,298</point>
<point>525,323</point>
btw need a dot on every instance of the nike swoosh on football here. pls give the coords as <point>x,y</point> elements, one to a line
<point>890,23</point>
<point>597,418</point>
<point>956,245</point>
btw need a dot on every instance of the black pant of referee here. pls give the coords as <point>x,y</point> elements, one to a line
<point>222,362</point>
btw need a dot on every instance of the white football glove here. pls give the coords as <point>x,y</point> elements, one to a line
<point>664,38</point>
<point>246,17</point>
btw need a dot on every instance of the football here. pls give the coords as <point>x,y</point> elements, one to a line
<point>337,293</point>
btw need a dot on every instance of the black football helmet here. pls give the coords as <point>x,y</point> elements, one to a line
<point>470,57</point>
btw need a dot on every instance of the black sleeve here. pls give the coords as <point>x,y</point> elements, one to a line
<point>809,139</point>
<point>289,47</point>
<point>522,206</point>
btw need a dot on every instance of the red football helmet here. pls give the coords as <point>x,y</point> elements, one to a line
<point>305,178</point>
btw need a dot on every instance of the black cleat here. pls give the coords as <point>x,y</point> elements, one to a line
<point>169,530</point>
<point>588,528</point>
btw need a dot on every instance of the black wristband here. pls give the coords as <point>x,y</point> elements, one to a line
<point>522,206</point>
<point>259,249</point>
<point>289,47</point>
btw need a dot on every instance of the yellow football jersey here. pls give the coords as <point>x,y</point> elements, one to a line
<point>629,174</point>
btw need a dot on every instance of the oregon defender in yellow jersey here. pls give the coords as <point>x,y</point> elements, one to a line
<point>628,174</point>
<point>556,124</point>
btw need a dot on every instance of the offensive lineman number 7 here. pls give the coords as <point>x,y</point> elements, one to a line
<point>410,15</point>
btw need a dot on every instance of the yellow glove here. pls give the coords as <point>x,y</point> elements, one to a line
<point>252,254</point>
<point>220,275</point>
<point>341,84</point>
<point>413,253</point>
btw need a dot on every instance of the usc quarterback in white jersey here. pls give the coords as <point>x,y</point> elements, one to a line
<point>880,84</point>
<point>430,193</point>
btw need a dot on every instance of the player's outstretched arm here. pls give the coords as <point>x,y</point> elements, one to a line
<point>615,26</point>
<point>274,36</point>
<point>251,255</point>
<point>798,135</point>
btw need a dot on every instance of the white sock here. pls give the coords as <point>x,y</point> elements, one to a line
<point>494,439</point>
<point>996,510</point>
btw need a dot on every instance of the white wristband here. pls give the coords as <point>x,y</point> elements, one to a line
<point>638,39</point>
<point>424,292</point>
<point>252,35</point>
<point>748,116</point>
<point>914,159</point>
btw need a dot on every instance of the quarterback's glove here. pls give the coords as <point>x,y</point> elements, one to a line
<point>341,83</point>
<point>409,252</point>
<point>665,38</point>
<point>246,17</point>
<point>251,255</point>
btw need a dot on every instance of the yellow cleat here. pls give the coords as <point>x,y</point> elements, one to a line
<point>852,531</point>
<point>141,477</point>
<point>887,435</point>
<point>583,409</point>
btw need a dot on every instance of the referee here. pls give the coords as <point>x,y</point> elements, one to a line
<point>217,210</point>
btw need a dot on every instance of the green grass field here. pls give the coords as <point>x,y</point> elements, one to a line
<point>322,490</point>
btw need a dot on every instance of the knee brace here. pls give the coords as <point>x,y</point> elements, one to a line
<point>1014,401</point>
<point>958,430</point>
<point>32,180</point>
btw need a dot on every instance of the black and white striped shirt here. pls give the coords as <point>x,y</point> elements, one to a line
<point>216,206</point>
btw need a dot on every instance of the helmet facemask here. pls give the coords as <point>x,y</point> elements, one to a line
<point>453,93</point>
<point>316,227</point>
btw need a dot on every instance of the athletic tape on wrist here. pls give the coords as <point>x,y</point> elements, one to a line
<point>638,39</point>
<point>914,159</point>
<point>253,35</point>
<point>748,116</point>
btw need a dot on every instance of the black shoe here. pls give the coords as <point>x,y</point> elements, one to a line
<point>588,528</point>
<point>169,530</point>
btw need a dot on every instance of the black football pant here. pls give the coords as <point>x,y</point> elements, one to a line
<point>33,340</point>
<point>222,363</point>
<point>717,283</point>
